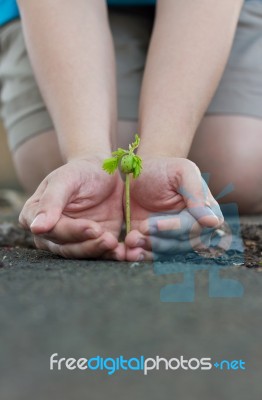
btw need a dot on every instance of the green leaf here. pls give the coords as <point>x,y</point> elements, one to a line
<point>139,160</point>
<point>135,144</point>
<point>137,166</point>
<point>134,162</point>
<point>110,165</point>
<point>136,172</point>
<point>119,152</point>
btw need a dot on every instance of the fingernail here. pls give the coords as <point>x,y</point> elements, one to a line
<point>140,243</point>
<point>39,220</point>
<point>141,257</point>
<point>211,212</point>
<point>208,207</point>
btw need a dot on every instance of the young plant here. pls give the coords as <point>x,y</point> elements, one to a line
<point>128,163</point>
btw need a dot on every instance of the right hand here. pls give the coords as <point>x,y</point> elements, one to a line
<point>76,211</point>
<point>173,210</point>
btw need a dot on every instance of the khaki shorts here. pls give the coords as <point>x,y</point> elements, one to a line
<point>240,90</point>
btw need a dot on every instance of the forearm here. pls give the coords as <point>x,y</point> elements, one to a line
<point>71,50</point>
<point>188,52</point>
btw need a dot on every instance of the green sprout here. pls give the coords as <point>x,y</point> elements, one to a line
<point>129,163</point>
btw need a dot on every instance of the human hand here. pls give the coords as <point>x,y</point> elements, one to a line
<point>171,208</point>
<point>76,211</point>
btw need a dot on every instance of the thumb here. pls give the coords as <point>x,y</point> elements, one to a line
<point>50,207</point>
<point>198,198</point>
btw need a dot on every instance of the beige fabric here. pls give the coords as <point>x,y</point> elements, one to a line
<point>239,92</point>
<point>8,177</point>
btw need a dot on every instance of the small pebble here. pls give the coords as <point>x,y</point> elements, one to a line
<point>220,233</point>
<point>135,264</point>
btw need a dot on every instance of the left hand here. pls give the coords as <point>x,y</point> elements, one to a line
<point>170,206</point>
<point>76,212</point>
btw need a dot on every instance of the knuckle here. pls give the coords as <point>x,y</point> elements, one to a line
<point>186,168</point>
<point>193,167</point>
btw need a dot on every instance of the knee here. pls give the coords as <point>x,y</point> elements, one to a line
<point>35,159</point>
<point>221,149</point>
<point>247,194</point>
<point>234,183</point>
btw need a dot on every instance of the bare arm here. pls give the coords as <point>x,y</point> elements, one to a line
<point>188,52</point>
<point>189,48</point>
<point>77,209</point>
<point>70,46</point>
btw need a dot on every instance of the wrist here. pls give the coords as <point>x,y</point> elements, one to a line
<point>95,150</point>
<point>89,156</point>
<point>162,148</point>
<point>166,138</point>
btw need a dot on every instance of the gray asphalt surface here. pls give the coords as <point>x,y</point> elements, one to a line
<point>85,308</point>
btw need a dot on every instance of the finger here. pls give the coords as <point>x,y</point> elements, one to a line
<point>49,207</point>
<point>167,248</point>
<point>92,248</point>
<point>70,230</point>
<point>155,223</point>
<point>138,254</point>
<point>171,223</point>
<point>28,212</point>
<point>136,239</point>
<point>197,196</point>
<point>182,226</point>
<point>216,210</point>
<point>179,225</point>
<point>118,254</point>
